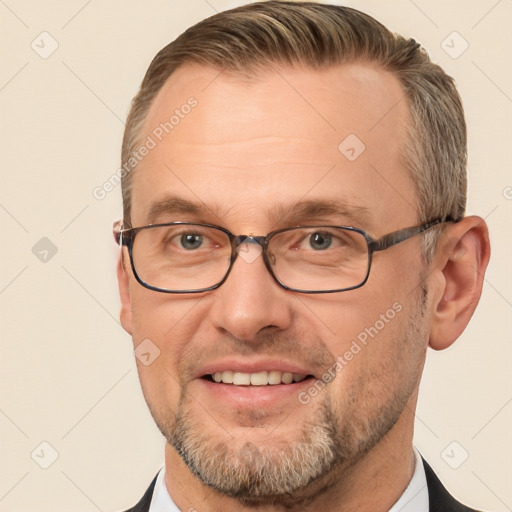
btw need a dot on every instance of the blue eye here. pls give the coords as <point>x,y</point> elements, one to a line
<point>320,241</point>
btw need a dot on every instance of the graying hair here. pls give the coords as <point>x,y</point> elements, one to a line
<point>240,41</point>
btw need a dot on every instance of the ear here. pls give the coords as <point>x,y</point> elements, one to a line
<point>124,294</point>
<point>458,272</point>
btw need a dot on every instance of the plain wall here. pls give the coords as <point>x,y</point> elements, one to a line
<point>67,370</point>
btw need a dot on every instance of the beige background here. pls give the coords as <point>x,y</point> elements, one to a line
<point>67,371</point>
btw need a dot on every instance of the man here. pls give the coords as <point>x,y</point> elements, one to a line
<point>293,240</point>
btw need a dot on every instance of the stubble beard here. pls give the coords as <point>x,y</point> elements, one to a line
<point>263,473</point>
<point>286,474</point>
<point>278,472</point>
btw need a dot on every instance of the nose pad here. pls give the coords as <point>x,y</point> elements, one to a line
<point>249,250</point>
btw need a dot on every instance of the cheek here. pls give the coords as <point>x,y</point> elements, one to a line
<point>162,329</point>
<point>380,365</point>
<point>163,317</point>
<point>360,314</point>
<point>396,273</point>
<point>378,315</point>
<point>372,333</point>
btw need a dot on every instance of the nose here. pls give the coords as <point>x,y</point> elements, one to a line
<point>250,301</point>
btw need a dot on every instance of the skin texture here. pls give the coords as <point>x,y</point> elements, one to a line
<point>249,147</point>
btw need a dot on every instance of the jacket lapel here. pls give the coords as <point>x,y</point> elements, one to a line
<point>143,505</point>
<point>440,500</point>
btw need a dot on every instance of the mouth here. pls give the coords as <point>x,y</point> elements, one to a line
<point>267,386</point>
<point>260,378</point>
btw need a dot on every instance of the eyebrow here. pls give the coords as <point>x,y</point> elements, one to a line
<point>279,215</point>
<point>317,209</point>
<point>174,204</point>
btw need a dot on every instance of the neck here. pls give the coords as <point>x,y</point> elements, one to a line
<point>373,484</point>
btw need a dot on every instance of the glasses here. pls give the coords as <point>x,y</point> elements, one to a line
<point>183,257</point>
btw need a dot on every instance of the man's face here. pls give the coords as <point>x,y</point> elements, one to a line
<point>254,155</point>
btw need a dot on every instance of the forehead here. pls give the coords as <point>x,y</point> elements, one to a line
<point>241,146</point>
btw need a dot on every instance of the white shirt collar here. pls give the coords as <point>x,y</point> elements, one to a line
<point>161,501</point>
<point>414,498</point>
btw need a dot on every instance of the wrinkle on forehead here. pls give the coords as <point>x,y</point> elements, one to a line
<point>250,145</point>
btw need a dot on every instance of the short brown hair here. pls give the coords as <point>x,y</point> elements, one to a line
<point>248,38</point>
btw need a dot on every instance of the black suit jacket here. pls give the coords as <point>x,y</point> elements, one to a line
<point>440,499</point>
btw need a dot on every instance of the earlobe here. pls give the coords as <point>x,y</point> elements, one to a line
<point>459,267</point>
<point>124,294</point>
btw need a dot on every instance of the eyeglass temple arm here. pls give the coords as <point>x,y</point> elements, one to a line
<point>117,231</point>
<point>403,234</point>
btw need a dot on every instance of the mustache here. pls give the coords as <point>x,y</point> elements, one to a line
<point>306,350</point>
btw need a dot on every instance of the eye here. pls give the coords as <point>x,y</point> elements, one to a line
<point>190,241</point>
<point>320,241</point>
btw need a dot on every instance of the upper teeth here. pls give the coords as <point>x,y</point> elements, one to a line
<point>257,379</point>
